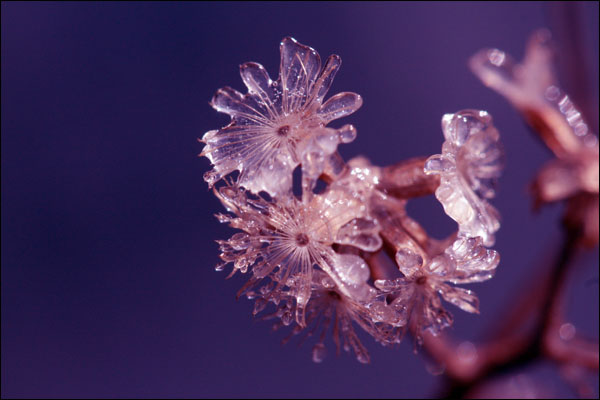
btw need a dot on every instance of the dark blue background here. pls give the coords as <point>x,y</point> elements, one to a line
<point>108,285</point>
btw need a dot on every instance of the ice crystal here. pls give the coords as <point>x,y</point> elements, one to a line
<point>280,124</point>
<point>312,256</point>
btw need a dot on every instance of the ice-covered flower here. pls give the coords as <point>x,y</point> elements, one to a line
<point>280,124</point>
<point>284,240</point>
<point>415,300</point>
<point>308,255</point>
<point>471,161</point>
<point>532,88</point>
<point>330,310</point>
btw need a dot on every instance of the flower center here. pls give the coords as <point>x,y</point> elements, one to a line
<point>421,280</point>
<point>301,239</point>
<point>283,130</point>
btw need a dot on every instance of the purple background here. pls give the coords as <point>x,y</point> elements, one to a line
<point>108,286</point>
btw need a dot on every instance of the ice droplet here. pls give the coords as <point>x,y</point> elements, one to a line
<point>437,164</point>
<point>319,351</point>
<point>567,331</point>
<point>287,318</point>
<point>361,233</point>
<point>259,305</point>
<point>328,142</point>
<point>408,261</point>
<point>435,368</point>
<point>379,312</point>
<point>352,269</point>
<point>386,285</point>
<point>496,57</point>
<point>467,352</point>
<point>347,133</point>
<point>211,177</point>
<point>362,356</point>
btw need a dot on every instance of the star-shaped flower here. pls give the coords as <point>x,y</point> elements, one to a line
<point>283,241</point>
<point>415,300</point>
<point>280,124</point>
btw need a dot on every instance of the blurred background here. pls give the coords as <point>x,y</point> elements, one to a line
<point>108,251</point>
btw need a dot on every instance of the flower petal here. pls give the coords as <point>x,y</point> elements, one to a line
<point>332,65</point>
<point>462,298</point>
<point>268,171</point>
<point>260,86</point>
<point>339,106</point>
<point>255,77</point>
<point>232,143</point>
<point>241,110</point>
<point>298,72</point>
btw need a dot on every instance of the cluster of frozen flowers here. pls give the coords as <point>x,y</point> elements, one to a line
<point>314,255</point>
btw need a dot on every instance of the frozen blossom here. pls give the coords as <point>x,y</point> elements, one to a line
<point>416,298</point>
<point>330,310</point>
<point>470,163</point>
<point>532,88</point>
<point>284,240</point>
<point>313,256</point>
<point>430,270</point>
<point>280,124</point>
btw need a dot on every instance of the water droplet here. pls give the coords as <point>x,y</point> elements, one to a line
<point>437,164</point>
<point>211,177</point>
<point>380,312</point>
<point>319,352</point>
<point>567,331</point>
<point>347,133</point>
<point>434,368</point>
<point>552,93</point>
<point>259,305</point>
<point>496,57</point>
<point>287,318</point>
<point>408,261</point>
<point>363,357</point>
<point>467,351</point>
<point>352,269</point>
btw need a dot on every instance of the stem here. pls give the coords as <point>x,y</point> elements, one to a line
<point>407,179</point>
